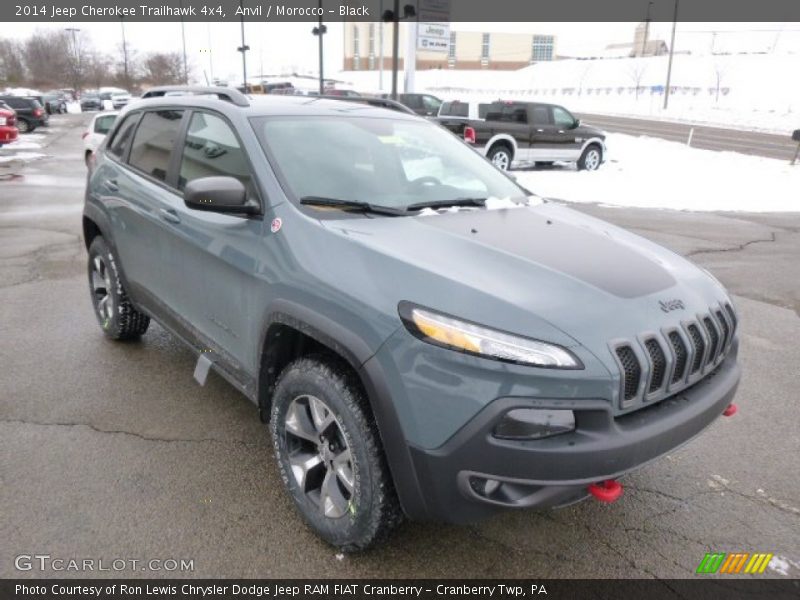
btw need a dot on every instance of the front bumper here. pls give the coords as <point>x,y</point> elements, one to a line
<point>556,471</point>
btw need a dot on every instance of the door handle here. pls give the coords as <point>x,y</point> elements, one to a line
<point>169,215</point>
<point>560,131</point>
<point>540,131</point>
<point>111,185</point>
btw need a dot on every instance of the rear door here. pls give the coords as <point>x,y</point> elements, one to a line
<point>511,118</point>
<point>146,205</point>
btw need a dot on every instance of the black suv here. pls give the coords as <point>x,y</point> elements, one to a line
<point>30,112</point>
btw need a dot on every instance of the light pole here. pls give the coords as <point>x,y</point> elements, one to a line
<point>394,16</point>
<point>74,31</point>
<point>125,54</point>
<point>183,40</point>
<point>671,52</point>
<point>646,27</point>
<point>243,49</point>
<point>319,31</point>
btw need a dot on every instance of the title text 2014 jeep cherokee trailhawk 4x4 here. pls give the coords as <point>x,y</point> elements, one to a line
<point>425,337</point>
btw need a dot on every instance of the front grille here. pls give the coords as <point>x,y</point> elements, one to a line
<point>681,356</point>
<point>659,365</point>
<point>699,348</point>
<point>632,371</point>
<point>656,365</point>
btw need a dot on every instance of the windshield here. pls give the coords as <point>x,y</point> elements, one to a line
<point>386,162</point>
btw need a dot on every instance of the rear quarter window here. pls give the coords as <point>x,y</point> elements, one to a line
<point>154,142</point>
<point>122,137</point>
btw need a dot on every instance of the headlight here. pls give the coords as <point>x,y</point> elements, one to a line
<point>463,336</point>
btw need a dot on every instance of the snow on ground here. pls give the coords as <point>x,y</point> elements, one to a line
<point>23,156</point>
<point>753,91</point>
<point>653,173</point>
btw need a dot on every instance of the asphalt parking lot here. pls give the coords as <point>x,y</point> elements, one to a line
<point>111,450</point>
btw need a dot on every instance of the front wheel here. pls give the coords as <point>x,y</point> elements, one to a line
<point>329,454</point>
<point>500,156</point>
<point>114,311</point>
<point>591,158</point>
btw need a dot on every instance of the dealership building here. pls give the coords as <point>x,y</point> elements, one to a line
<point>466,49</point>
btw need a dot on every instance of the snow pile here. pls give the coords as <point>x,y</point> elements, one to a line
<point>652,173</point>
<point>743,90</point>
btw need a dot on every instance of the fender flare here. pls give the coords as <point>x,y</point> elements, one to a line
<point>501,137</point>
<point>357,353</point>
<point>595,140</point>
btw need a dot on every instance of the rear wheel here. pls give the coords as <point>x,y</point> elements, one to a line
<point>591,158</point>
<point>329,454</point>
<point>24,126</point>
<point>114,311</point>
<point>501,157</point>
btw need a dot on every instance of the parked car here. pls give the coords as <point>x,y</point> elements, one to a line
<point>422,104</point>
<point>30,112</point>
<point>343,93</point>
<point>490,350</point>
<point>8,124</point>
<point>54,103</point>
<point>91,102</point>
<point>96,132</point>
<point>462,112</point>
<point>531,132</point>
<point>120,100</point>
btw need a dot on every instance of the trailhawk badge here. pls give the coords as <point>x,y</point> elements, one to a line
<point>670,305</point>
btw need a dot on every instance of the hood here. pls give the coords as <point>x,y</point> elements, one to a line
<point>547,272</point>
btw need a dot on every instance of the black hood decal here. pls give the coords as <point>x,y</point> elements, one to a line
<point>586,253</point>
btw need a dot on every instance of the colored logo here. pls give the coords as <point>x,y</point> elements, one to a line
<point>734,562</point>
<point>275,226</point>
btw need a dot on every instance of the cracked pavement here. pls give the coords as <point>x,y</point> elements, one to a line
<point>111,450</point>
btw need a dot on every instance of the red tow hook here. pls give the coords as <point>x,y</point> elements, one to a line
<point>606,491</point>
<point>730,411</point>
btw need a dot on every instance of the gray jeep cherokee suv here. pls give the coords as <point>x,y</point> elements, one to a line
<point>426,337</point>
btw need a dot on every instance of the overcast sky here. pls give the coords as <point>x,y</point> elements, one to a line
<point>281,47</point>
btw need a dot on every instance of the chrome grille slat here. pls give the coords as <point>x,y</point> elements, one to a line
<point>681,356</point>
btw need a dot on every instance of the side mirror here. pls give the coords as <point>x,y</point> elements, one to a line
<point>577,123</point>
<point>218,194</point>
<point>796,135</point>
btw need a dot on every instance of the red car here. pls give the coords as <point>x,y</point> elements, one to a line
<point>8,125</point>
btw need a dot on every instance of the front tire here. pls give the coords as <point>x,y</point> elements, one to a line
<point>591,159</point>
<point>501,157</point>
<point>118,318</point>
<point>330,456</point>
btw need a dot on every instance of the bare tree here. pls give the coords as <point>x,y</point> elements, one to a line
<point>98,69</point>
<point>163,68</point>
<point>47,58</point>
<point>636,72</point>
<point>12,67</point>
<point>582,77</point>
<point>127,66</point>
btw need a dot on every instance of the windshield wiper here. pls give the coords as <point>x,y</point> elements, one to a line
<point>446,203</point>
<point>351,205</point>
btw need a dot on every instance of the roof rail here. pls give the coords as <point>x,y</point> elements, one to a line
<point>372,101</point>
<point>228,94</point>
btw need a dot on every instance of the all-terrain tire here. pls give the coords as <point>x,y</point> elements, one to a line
<point>117,316</point>
<point>372,509</point>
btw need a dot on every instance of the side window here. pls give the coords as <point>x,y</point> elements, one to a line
<point>211,149</point>
<point>562,118</point>
<point>123,136</point>
<point>482,110</point>
<point>541,115</point>
<point>103,124</point>
<point>430,103</point>
<point>154,142</point>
